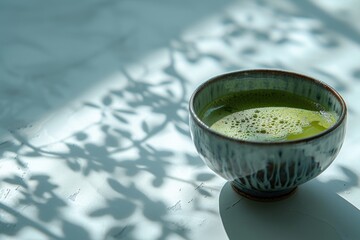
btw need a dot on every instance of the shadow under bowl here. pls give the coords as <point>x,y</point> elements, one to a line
<point>266,170</point>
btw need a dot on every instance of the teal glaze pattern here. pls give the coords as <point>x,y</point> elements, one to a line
<point>267,170</point>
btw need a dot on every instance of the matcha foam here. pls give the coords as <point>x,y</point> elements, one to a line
<point>274,123</point>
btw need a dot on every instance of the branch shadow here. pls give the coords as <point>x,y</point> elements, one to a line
<point>80,154</point>
<point>25,87</point>
<point>38,193</point>
<point>307,8</point>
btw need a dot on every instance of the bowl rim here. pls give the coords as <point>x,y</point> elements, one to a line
<point>224,76</point>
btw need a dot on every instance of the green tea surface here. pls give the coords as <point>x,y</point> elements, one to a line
<point>267,115</point>
<point>274,124</point>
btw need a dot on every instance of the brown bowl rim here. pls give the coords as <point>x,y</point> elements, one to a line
<point>222,77</point>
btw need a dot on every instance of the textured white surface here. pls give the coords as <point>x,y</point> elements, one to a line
<point>93,127</point>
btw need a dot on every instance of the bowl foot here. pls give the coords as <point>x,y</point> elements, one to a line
<point>264,196</point>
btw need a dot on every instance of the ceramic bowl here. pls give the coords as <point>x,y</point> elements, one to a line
<point>266,170</point>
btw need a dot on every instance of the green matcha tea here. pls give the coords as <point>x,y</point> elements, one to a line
<point>267,115</point>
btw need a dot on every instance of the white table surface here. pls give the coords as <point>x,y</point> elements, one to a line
<point>93,121</point>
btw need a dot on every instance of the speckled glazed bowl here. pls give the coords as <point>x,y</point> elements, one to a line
<point>266,170</point>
